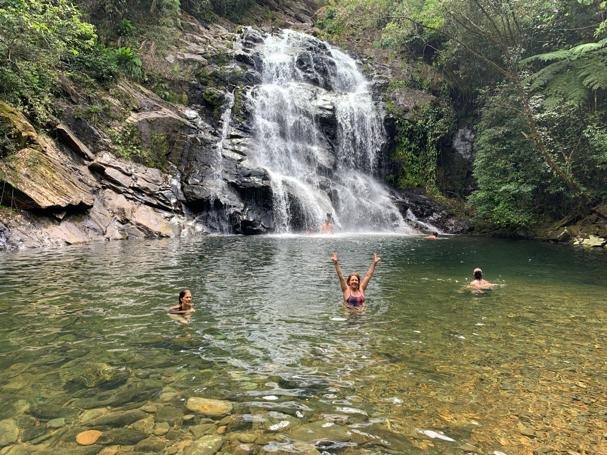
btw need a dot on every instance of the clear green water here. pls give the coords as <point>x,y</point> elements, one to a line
<point>516,370</point>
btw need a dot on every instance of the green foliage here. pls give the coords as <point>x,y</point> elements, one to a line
<point>36,37</point>
<point>572,74</point>
<point>516,189</point>
<point>508,172</point>
<point>128,145</point>
<point>418,142</point>
<point>10,139</point>
<point>128,61</point>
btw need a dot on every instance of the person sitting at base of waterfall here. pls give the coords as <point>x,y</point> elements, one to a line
<point>479,283</point>
<point>432,236</point>
<point>353,288</point>
<point>327,226</point>
<point>185,303</point>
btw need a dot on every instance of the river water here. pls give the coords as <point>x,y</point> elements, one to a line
<point>428,368</point>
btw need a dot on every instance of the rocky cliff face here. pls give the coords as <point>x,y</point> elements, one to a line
<point>69,185</point>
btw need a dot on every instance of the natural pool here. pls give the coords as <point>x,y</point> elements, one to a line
<point>85,343</point>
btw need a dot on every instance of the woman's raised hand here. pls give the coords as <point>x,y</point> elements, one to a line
<point>376,258</point>
<point>334,257</point>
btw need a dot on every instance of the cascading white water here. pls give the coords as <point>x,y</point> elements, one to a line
<point>318,134</point>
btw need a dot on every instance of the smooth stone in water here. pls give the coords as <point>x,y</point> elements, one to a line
<point>209,407</point>
<point>122,436</point>
<point>8,432</point>
<point>91,414</point>
<point>56,423</point>
<point>152,444</point>
<point>200,430</point>
<point>145,425</point>
<point>118,419</point>
<point>88,437</point>
<point>161,429</point>
<point>207,445</point>
<point>169,414</point>
<point>50,411</point>
<point>317,431</point>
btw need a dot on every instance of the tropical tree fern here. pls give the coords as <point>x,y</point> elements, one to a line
<point>572,74</point>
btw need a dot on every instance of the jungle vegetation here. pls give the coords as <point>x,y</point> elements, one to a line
<point>530,76</point>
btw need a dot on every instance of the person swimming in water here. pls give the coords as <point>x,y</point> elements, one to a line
<point>479,282</point>
<point>185,303</point>
<point>432,236</point>
<point>353,288</point>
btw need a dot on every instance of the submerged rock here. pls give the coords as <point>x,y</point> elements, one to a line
<point>207,445</point>
<point>209,407</point>
<point>8,432</point>
<point>88,437</point>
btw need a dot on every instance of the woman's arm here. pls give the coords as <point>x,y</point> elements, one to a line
<point>370,272</point>
<point>340,275</point>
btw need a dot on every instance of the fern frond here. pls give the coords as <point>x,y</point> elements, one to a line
<point>567,54</point>
<point>594,75</point>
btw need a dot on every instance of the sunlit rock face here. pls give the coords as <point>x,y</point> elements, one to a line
<point>305,140</point>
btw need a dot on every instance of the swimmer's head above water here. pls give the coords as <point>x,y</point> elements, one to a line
<point>185,299</point>
<point>478,274</point>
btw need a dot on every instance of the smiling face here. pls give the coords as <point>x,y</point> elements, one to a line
<point>353,281</point>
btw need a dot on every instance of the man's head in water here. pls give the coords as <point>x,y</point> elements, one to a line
<point>478,274</point>
<point>185,298</point>
<point>353,281</point>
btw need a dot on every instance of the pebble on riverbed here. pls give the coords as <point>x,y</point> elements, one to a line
<point>88,437</point>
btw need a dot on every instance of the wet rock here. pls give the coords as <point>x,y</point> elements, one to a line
<point>122,436</point>
<point>8,432</point>
<point>245,437</point>
<point>161,428</point>
<point>97,375</point>
<point>592,241</point>
<point>146,425</point>
<point>56,423</point>
<point>91,414</point>
<point>200,430</point>
<point>32,433</point>
<point>209,407</point>
<point>21,407</point>
<point>207,445</point>
<point>48,411</point>
<point>152,444</point>
<point>285,448</point>
<point>88,437</point>
<point>321,431</point>
<point>118,419</point>
<point>169,414</point>
<point>168,396</point>
<point>127,395</point>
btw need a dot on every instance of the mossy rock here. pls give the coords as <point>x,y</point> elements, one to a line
<point>214,98</point>
<point>15,131</point>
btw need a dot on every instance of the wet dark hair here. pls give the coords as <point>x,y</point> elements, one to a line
<point>182,294</point>
<point>435,234</point>
<point>478,275</point>
<point>351,275</point>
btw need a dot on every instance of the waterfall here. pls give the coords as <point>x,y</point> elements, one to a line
<point>318,134</point>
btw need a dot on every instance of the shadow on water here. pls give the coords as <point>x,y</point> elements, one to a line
<point>428,367</point>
